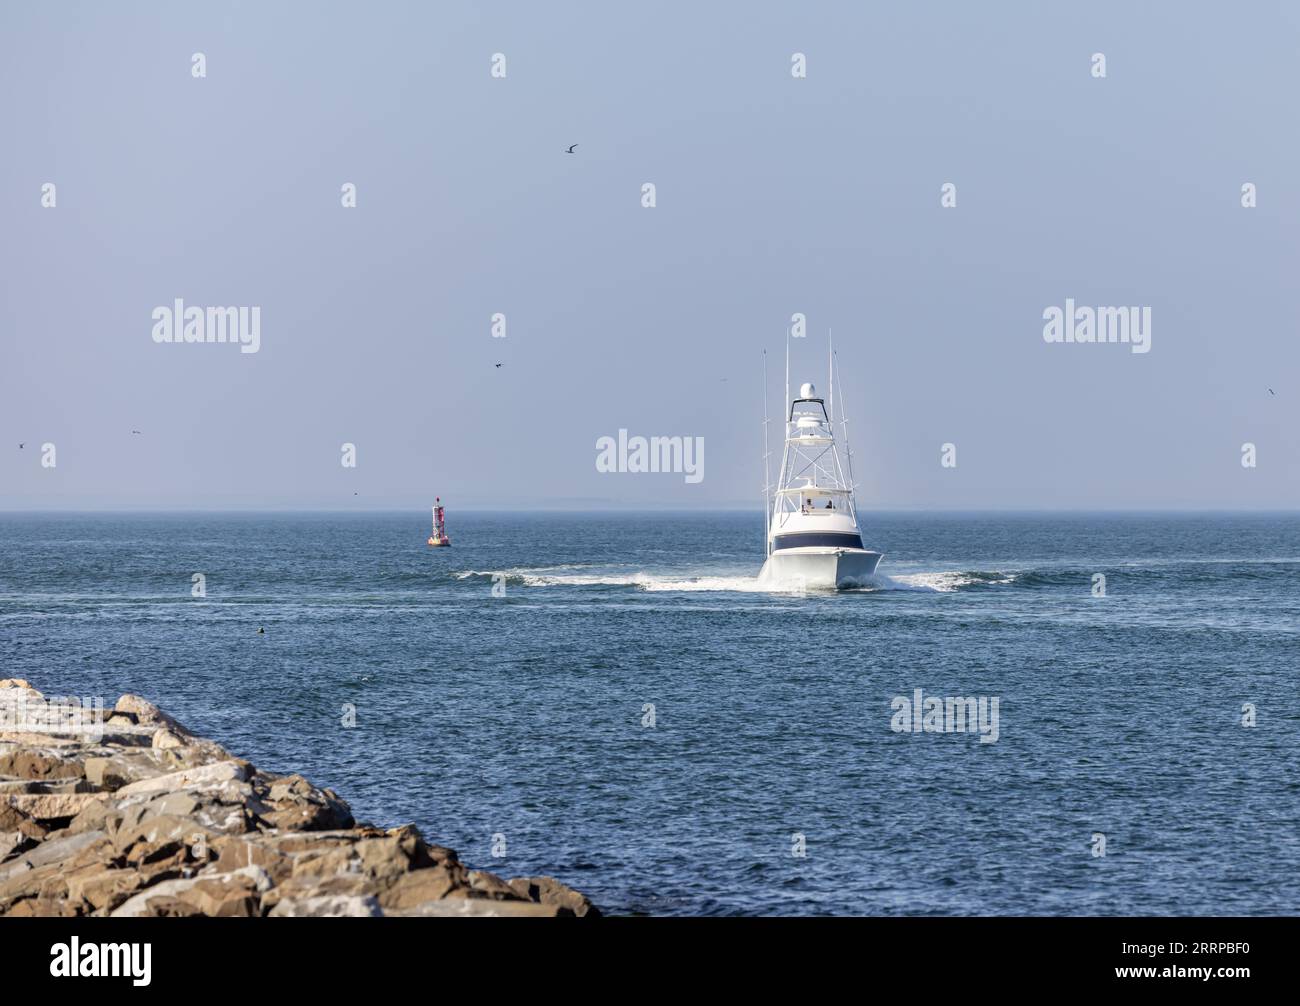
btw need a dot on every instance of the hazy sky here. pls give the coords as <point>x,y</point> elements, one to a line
<point>775,195</point>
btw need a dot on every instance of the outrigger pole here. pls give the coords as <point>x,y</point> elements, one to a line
<point>767,468</point>
<point>848,444</point>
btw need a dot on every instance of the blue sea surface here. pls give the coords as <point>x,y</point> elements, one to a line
<point>524,716</point>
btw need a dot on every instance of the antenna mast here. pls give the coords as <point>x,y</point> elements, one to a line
<point>786,406</point>
<point>830,367</point>
<point>767,470</point>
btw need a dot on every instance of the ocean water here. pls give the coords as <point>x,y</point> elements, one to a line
<point>522,717</point>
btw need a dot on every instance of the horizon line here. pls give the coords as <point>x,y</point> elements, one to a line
<point>640,509</point>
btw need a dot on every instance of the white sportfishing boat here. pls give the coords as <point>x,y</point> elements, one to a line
<point>813,539</point>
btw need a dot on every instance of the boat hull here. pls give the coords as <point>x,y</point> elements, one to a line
<point>819,569</point>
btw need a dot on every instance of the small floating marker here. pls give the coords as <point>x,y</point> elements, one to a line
<point>439,537</point>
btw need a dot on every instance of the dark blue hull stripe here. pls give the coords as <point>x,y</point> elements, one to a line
<point>805,539</point>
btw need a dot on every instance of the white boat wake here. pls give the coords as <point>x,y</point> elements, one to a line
<point>680,582</point>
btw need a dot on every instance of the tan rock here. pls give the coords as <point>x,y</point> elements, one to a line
<point>122,733</point>
<point>13,819</point>
<point>103,890</point>
<point>67,786</point>
<point>226,894</point>
<point>441,855</point>
<point>413,889</point>
<point>51,806</point>
<point>145,852</point>
<point>12,842</point>
<point>549,891</point>
<point>165,907</point>
<point>343,885</point>
<point>294,804</point>
<point>11,816</point>
<point>25,763</point>
<point>30,738</point>
<point>180,804</point>
<point>144,712</point>
<point>234,770</point>
<point>60,850</point>
<point>489,885</point>
<point>291,786</point>
<point>25,882</point>
<point>235,853</point>
<point>165,738</point>
<point>385,858</point>
<point>106,773</point>
<point>326,862</point>
<point>162,828</point>
<point>479,908</point>
<point>22,878</point>
<point>294,842</point>
<point>100,816</point>
<point>43,908</point>
<point>217,897</point>
<point>330,906</point>
<point>8,786</point>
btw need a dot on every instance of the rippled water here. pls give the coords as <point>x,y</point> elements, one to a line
<point>522,715</point>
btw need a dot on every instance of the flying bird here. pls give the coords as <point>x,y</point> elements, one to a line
<point>135,431</point>
<point>20,447</point>
<point>570,150</point>
<point>498,364</point>
<point>1270,391</point>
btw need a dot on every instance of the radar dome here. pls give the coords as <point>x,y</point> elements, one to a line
<point>807,391</point>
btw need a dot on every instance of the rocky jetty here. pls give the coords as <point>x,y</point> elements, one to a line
<point>124,812</point>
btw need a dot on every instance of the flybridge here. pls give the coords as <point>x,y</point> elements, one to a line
<point>810,453</point>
